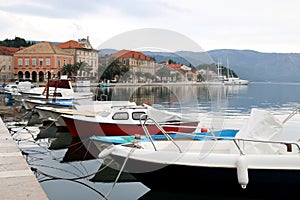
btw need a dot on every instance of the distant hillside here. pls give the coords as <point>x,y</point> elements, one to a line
<point>247,64</point>
<point>257,66</point>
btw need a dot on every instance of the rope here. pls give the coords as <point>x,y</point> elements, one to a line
<point>35,170</point>
<point>119,174</point>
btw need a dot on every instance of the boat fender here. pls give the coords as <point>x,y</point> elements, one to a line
<point>204,130</point>
<point>106,151</point>
<point>242,171</point>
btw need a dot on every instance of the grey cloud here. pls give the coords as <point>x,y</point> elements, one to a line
<point>77,8</point>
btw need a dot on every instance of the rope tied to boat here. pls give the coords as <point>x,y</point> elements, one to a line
<point>119,174</point>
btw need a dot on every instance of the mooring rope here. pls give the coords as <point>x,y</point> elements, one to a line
<point>35,170</point>
<point>119,174</point>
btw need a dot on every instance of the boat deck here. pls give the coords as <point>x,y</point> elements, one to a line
<point>17,181</point>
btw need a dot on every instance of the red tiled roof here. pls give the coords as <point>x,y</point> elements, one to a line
<point>8,50</point>
<point>174,66</point>
<point>71,44</point>
<point>131,54</point>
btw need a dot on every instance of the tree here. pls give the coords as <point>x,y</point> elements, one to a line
<point>163,72</point>
<point>83,67</point>
<point>139,74</point>
<point>17,42</point>
<point>113,70</point>
<point>70,70</point>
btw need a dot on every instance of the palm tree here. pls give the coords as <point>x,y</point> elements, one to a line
<point>68,69</point>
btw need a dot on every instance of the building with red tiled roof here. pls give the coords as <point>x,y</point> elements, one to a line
<point>136,61</point>
<point>7,63</point>
<point>40,60</point>
<point>83,52</point>
<point>71,44</point>
<point>174,66</point>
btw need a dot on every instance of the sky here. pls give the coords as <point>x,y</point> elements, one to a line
<point>260,25</point>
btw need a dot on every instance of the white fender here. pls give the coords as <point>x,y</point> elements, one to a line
<point>107,151</point>
<point>242,171</point>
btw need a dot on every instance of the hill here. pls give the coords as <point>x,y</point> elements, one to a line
<point>257,66</point>
<point>247,64</point>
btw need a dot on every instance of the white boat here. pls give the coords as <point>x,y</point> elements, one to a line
<point>57,92</point>
<point>228,79</point>
<point>124,120</point>
<point>234,80</point>
<point>256,160</point>
<point>13,91</point>
<point>87,108</point>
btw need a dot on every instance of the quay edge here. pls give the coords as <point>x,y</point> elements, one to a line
<point>17,181</point>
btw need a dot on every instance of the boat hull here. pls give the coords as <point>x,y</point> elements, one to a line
<point>217,181</point>
<point>80,128</point>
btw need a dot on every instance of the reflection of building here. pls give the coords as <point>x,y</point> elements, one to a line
<point>83,52</point>
<point>7,63</point>
<point>136,61</point>
<point>36,61</point>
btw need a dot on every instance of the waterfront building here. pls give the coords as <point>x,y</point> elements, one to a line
<point>136,61</point>
<point>7,63</point>
<point>84,54</point>
<point>40,61</point>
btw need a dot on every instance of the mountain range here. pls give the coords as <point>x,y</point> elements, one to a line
<point>247,64</point>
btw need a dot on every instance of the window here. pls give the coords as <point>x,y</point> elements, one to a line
<point>65,62</point>
<point>120,116</point>
<point>41,62</point>
<point>47,61</point>
<point>137,115</point>
<point>33,61</point>
<point>20,61</point>
<point>26,61</point>
<point>58,62</point>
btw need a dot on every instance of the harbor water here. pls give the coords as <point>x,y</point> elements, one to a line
<point>69,169</point>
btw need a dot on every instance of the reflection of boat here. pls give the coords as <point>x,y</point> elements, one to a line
<point>80,150</point>
<point>256,160</point>
<point>125,120</point>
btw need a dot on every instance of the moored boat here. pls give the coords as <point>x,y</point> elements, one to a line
<point>256,160</point>
<point>125,120</point>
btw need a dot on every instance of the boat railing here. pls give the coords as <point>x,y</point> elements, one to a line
<point>143,121</point>
<point>286,143</point>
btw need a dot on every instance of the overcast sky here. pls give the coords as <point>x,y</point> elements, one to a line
<point>261,25</point>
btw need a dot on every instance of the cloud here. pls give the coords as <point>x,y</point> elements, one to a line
<point>258,25</point>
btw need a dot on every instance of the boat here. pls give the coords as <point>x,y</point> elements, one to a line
<point>227,79</point>
<point>87,108</point>
<point>57,92</point>
<point>13,91</point>
<point>122,120</point>
<point>256,161</point>
<point>100,140</point>
<point>234,80</point>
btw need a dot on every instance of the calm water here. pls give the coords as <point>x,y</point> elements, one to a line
<point>67,168</point>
